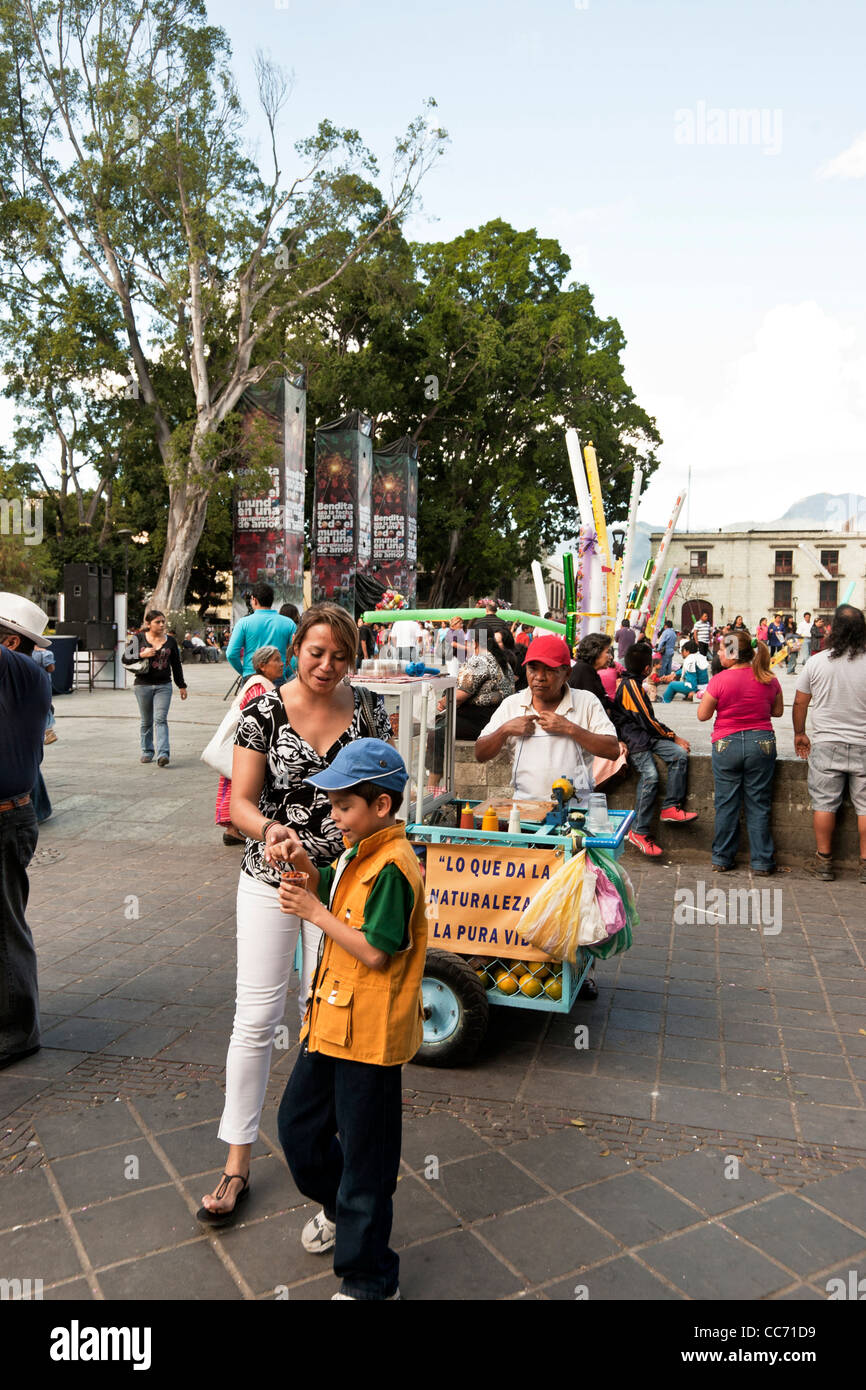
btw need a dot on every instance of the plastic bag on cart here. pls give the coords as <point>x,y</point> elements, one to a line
<point>621,940</point>
<point>550,922</point>
<point>610,903</point>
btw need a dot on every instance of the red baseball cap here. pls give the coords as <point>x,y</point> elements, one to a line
<point>550,650</point>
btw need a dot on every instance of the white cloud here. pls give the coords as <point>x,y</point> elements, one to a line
<point>850,164</point>
<point>785,419</point>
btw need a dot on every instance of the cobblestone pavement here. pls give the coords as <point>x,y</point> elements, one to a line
<point>704,1138</point>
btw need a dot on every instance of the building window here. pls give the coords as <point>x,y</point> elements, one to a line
<point>827,590</point>
<point>782,594</point>
<point>784,562</point>
<point>697,562</point>
<point>830,561</point>
<point>557,596</point>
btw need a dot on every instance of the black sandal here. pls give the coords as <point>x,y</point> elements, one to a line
<point>225,1218</point>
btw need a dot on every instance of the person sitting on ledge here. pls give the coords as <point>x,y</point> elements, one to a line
<point>645,735</point>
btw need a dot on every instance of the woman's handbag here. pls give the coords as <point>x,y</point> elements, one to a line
<point>131,657</point>
<point>220,750</point>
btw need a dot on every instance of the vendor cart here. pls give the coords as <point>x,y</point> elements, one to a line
<point>468,968</point>
<point>477,883</point>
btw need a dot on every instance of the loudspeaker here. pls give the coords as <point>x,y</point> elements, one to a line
<point>106,594</point>
<point>81,593</point>
<point>92,637</point>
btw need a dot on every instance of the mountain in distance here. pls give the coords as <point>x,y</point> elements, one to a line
<point>831,511</point>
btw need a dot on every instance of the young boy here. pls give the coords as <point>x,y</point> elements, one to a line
<point>645,735</point>
<point>363,1020</point>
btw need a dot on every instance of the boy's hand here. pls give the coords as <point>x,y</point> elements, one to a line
<point>299,859</point>
<point>299,901</point>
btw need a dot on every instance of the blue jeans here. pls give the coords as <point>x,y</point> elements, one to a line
<point>19,993</point>
<point>353,1176</point>
<point>686,686</point>
<point>677,760</point>
<point>153,703</point>
<point>744,765</point>
<point>666,662</point>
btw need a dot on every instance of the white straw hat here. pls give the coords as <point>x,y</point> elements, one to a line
<point>20,615</point>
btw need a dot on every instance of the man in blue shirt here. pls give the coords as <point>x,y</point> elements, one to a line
<point>666,643</point>
<point>25,696</point>
<point>262,628</point>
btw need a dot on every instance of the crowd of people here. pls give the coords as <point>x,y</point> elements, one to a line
<point>315,789</point>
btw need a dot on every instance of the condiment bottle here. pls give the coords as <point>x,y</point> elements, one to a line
<point>467,819</point>
<point>514,819</point>
<point>491,820</point>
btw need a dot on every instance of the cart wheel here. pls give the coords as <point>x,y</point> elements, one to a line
<point>456,1010</point>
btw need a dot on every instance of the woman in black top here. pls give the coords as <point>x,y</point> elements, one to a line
<point>593,654</point>
<point>153,686</point>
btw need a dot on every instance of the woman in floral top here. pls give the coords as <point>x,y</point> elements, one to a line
<point>282,738</point>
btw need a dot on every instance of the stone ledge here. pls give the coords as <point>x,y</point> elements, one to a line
<point>792,812</point>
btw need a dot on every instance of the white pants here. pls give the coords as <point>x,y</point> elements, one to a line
<point>267,939</point>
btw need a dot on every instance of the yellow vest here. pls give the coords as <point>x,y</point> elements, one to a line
<point>361,1014</point>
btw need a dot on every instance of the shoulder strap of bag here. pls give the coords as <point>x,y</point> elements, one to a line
<point>368,715</point>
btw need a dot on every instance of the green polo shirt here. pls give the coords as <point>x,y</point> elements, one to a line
<point>387,909</point>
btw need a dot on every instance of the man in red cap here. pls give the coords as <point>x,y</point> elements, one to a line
<point>552,731</point>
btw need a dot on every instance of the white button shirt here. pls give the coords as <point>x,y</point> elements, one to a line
<point>540,758</point>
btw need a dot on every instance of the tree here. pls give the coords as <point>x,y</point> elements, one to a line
<point>125,177</point>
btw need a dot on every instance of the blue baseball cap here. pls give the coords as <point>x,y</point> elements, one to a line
<point>364,760</point>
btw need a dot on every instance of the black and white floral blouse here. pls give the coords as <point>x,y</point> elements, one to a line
<point>264,726</point>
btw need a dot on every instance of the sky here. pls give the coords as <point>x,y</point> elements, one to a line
<point>702,162</point>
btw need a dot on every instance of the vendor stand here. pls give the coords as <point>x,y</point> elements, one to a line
<point>478,883</point>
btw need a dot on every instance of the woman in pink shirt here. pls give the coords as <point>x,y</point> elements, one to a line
<point>745,697</point>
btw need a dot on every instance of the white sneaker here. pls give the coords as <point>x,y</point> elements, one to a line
<point>347,1297</point>
<point>319,1234</point>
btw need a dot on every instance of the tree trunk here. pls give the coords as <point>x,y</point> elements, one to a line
<point>440,586</point>
<point>187,513</point>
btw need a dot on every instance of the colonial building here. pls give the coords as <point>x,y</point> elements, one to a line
<point>761,572</point>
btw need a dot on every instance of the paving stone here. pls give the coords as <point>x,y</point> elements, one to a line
<point>740,1081</point>
<point>828,1125</point>
<point>118,1008</point>
<point>269,1252</point>
<point>147,1040</point>
<point>711,1264</point>
<point>94,1177</point>
<point>546,1240</point>
<point>41,1252</point>
<point>483,1081</point>
<point>809,1040</point>
<point>77,1130</point>
<point>825,1091</point>
<point>691,1074</point>
<point>485,1185</point>
<point>84,1034</point>
<point>617,1280</point>
<point>17,1091</point>
<point>595,1094</point>
<point>625,998</point>
<point>628,1019</point>
<point>633,1208</point>
<point>801,1293</point>
<point>25,1197</point>
<point>843,1193</point>
<point>47,1062</point>
<point>694,1008</point>
<point>192,1273</point>
<point>796,1234</point>
<point>440,1135</point>
<point>701,1178</point>
<point>191,1103</point>
<point>567,1159</point>
<point>631,1040</point>
<point>717,1110</point>
<point>134,1225</point>
<point>455,1267</point>
<point>625,1066</point>
<point>194,1149</point>
<point>739,1031</point>
<point>418,1213</point>
<point>681,1049</point>
<point>74,1291</point>
<point>200,1045</point>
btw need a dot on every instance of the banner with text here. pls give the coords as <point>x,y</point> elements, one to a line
<point>395,517</point>
<point>341,509</point>
<point>268,527</point>
<point>476,896</point>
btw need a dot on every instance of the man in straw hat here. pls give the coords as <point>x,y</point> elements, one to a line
<point>25,697</point>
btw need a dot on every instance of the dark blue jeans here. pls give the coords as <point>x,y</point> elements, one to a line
<point>19,992</point>
<point>352,1176</point>
<point>744,765</point>
<point>677,760</point>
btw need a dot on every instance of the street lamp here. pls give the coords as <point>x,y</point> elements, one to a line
<point>617,540</point>
<point>124,535</point>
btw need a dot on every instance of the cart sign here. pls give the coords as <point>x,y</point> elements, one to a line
<point>476,897</point>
